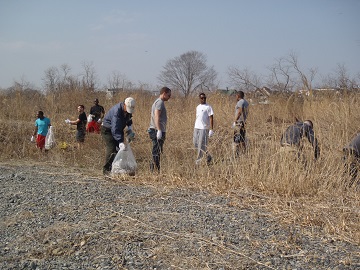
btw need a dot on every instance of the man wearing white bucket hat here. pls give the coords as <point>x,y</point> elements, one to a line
<point>112,129</point>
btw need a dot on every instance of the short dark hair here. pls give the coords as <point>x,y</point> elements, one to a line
<point>240,94</point>
<point>82,106</point>
<point>202,94</point>
<point>41,113</point>
<point>165,90</point>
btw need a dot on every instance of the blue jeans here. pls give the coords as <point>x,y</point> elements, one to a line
<point>157,148</point>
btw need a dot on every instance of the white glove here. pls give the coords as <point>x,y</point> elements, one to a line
<point>32,139</point>
<point>129,127</point>
<point>67,121</point>
<point>158,134</point>
<point>122,146</point>
<point>233,125</point>
<point>211,133</point>
<point>99,121</point>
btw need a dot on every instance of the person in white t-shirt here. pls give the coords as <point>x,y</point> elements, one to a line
<point>203,129</point>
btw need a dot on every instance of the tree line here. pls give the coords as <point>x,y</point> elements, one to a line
<point>190,73</point>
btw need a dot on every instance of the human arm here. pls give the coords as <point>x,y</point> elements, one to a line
<point>309,132</point>
<point>75,122</point>
<point>211,132</point>
<point>157,119</point>
<point>35,131</point>
<point>238,114</point>
<point>157,124</point>
<point>119,121</point>
<point>211,117</point>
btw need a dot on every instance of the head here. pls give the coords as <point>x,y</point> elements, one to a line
<point>40,114</point>
<point>202,98</point>
<point>129,105</point>
<point>240,95</point>
<point>165,93</point>
<point>309,123</point>
<point>80,108</point>
<point>96,101</point>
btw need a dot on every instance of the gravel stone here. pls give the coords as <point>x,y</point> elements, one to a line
<point>61,218</point>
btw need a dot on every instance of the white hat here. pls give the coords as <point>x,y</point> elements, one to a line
<point>130,104</point>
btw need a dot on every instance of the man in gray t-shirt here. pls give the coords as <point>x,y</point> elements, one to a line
<point>157,129</point>
<point>352,157</point>
<point>241,113</point>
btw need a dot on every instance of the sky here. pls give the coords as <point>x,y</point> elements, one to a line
<point>136,38</point>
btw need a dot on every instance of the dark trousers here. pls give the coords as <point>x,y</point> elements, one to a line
<point>157,148</point>
<point>111,146</point>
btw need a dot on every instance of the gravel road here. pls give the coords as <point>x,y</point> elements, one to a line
<point>64,218</point>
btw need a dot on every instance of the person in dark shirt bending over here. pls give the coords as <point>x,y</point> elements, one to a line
<point>293,135</point>
<point>112,130</point>
<point>352,158</point>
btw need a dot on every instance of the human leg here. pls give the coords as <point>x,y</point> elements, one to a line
<point>157,147</point>
<point>40,142</point>
<point>200,139</point>
<point>110,149</point>
<point>80,138</point>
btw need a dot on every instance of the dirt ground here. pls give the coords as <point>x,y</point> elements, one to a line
<point>66,218</point>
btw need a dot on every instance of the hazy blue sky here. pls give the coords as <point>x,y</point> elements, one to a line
<point>137,37</point>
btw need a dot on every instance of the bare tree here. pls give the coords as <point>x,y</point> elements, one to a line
<point>89,76</point>
<point>244,78</point>
<point>65,68</point>
<point>280,78</point>
<point>188,73</point>
<point>343,79</point>
<point>117,80</point>
<point>306,79</point>
<point>51,79</point>
<point>23,84</point>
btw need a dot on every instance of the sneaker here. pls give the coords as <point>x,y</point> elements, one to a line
<point>106,172</point>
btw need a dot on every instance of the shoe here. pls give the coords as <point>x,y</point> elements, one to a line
<point>106,172</point>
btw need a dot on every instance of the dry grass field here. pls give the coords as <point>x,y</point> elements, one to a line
<point>313,196</point>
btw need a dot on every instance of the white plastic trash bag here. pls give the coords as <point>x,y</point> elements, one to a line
<point>124,162</point>
<point>50,139</point>
<point>90,118</point>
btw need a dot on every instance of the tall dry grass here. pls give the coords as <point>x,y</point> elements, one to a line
<point>315,195</point>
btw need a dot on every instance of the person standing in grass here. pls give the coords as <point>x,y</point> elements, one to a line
<point>157,129</point>
<point>97,112</point>
<point>112,130</point>
<point>203,129</point>
<point>291,139</point>
<point>80,123</point>
<point>241,113</point>
<point>42,125</point>
<point>352,158</point>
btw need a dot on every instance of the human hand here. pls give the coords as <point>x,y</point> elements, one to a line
<point>233,125</point>
<point>159,134</point>
<point>99,120</point>
<point>211,133</point>
<point>130,135</point>
<point>32,139</point>
<point>122,146</point>
<point>67,121</point>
